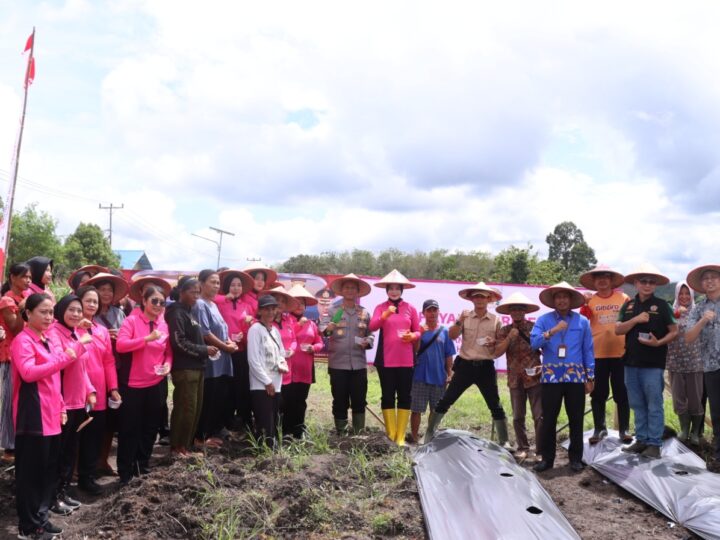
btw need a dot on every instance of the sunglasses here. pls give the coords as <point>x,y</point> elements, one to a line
<point>157,302</point>
<point>647,281</point>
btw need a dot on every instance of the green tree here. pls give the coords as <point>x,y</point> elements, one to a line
<point>569,249</point>
<point>512,265</point>
<point>88,245</point>
<point>544,272</point>
<point>33,233</point>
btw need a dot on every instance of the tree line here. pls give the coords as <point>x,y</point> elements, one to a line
<point>34,232</point>
<point>569,255</point>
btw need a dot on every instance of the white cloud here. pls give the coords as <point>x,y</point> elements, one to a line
<point>463,125</point>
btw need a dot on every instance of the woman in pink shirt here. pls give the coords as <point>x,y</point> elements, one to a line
<point>14,291</point>
<point>262,279</point>
<point>39,413</point>
<point>77,390</point>
<point>147,359</point>
<point>100,366</point>
<point>238,316</point>
<point>399,327</point>
<point>296,383</point>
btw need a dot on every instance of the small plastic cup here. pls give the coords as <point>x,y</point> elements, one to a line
<point>215,356</point>
<point>159,369</point>
<point>114,403</point>
<point>532,371</point>
<point>236,337</point>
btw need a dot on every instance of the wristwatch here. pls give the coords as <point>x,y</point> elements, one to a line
<point>546,334</point>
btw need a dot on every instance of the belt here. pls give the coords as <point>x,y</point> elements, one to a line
<point>476,360</point>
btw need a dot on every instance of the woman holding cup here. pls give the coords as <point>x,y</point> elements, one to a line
<point>399,327</point>
<point>190,355</point>
<point>219,370</point>
<point>101,369</point>
<point>79,395</point>
<point>296,383</point>
<point>111,290</point>
<point>239,316</point>
<point>267,364</point>
<point>143,341</point>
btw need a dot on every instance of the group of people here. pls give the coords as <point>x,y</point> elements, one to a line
<point>239,348</point>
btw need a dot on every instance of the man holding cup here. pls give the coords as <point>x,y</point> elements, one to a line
<point>648,324</point>
<point>602,310</point>
<point>476,362</point>
<point>568,370</point>
<point>523,368</point>
<point>704,324</point>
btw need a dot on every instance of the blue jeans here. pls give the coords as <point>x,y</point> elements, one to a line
<point>645,394</point>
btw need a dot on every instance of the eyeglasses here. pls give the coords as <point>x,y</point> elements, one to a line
<point>647,281</point>
<point>157,302</point>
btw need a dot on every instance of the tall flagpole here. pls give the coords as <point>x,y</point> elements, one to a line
<point>7,214</point>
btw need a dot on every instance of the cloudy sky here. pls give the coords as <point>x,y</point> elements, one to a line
<point>311,126</point>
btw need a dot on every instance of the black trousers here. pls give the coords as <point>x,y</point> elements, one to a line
<point>164,428</point>
<point>610,371</point>
<point>69,439</point>
<point>465,374</point>
<point>349,390</point>
<point>266,410</point>
<point>712,386</point>
<point>140,420</point>
<point>214,406</point>
<point>91,438</point>
<point>240,391</point>
<point>37,467</point>
<point>552,398</point>
<point>293,407</point>
<point>395,381</point>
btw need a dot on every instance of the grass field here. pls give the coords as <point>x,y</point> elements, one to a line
<point>469,412</point>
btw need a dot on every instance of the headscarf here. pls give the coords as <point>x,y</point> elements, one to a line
<point>60,309</point>
<point>679,285</point>
<point>38,265</point>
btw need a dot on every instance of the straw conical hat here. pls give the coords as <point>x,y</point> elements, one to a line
<point>480,287</point>
<point>91,269</point>
<point>120,286</point>
<point>137,285</point>
<point>516,299</point>
<point>247,281</point>
<point>576,298</point>
<point>587,280</point>
<point>395,278</point>
<point>694,277</point>
<point>280,292</point>
<point>647,269</point>
<point>363,287</point>
<point>270,274</point>
<point>298,291</point>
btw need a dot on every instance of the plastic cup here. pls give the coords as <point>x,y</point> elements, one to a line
<point>114,403</point>
<point>159,369</point>
<point>215,356</point>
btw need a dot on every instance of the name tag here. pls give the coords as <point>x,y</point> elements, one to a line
<point>562,351</point>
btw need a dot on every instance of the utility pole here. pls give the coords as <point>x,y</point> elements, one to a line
<point>218,244</point>
<point>220,232</point>
<point>111,208</point>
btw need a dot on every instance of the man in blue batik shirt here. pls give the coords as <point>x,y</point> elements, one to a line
<point>568,370</point>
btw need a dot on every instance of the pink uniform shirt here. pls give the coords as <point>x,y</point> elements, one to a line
<point>396,353</point>
<point>145,355</point>
<point>301,363</point>
<point>37,401</point>
<point>76,385</point>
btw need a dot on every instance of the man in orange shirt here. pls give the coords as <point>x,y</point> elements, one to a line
<point>602,309</point>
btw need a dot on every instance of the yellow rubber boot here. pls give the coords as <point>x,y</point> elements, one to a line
<point>403,415</point>
<point>390,423</point>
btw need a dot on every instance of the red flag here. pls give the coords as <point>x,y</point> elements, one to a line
<point>30,77</point>
<point>29,43</point>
